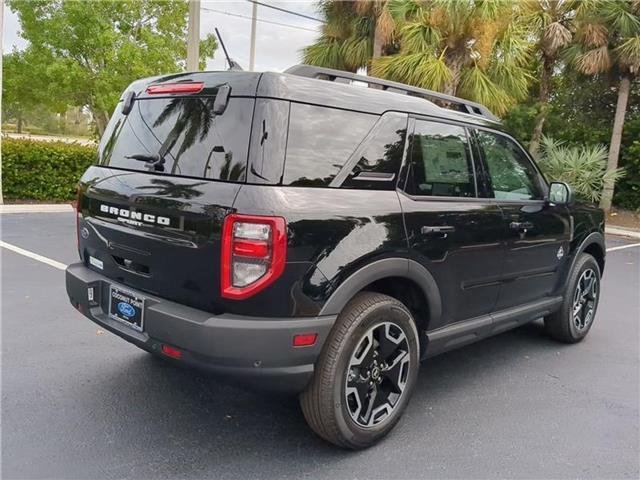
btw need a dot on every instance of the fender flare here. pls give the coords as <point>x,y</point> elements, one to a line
<point>379,269</point>
<point>596,238</point>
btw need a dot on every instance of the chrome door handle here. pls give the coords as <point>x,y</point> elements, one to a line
<point>521,226</point>
<point>427,229</point>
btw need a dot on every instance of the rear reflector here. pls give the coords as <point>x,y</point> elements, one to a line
<point>304,339</point>
<point>190,87</point>
<point>172,352</point>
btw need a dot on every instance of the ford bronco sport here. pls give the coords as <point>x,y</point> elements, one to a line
<point>319,232</point>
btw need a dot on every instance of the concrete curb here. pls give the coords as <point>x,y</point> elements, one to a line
<point>623,232</point>
<point>36,208</point>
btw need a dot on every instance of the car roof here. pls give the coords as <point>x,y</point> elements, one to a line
<point>314,91</point>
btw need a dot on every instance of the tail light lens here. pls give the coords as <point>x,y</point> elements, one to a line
<point>254,252</point>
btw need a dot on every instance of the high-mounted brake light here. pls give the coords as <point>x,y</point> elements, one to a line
<point>184,87</point>
<point>254,252</point>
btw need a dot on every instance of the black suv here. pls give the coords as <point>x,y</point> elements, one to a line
<point>320,232</point>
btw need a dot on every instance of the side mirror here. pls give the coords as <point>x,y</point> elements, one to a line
<point>560,193</point>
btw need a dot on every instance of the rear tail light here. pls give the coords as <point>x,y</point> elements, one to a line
<point>254,252</point>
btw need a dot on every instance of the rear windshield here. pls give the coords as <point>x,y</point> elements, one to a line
<point>184,131</point>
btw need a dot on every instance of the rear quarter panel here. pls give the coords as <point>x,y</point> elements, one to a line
<point>331,234</point>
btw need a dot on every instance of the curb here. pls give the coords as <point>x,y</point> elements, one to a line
<point>623,232</point>
<point>36,208</point>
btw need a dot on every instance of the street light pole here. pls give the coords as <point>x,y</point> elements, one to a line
<point>193,36</point>
<point>252,51</point>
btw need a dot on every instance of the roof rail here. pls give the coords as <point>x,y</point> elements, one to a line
<point>440,99</point>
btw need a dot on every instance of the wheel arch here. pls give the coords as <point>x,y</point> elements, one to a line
<point>379,276</point>
<point>594,245</point>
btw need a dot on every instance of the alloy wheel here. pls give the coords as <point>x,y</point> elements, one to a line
<point>377,374</point>
<point>584,299</point>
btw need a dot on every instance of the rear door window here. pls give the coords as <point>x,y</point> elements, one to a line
<point>320,142</point>
<point>193,141</point>
<point>440,161</point>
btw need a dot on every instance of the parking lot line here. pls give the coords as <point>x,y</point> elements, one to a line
<point>613,249</point>
<point>34,256</point>
<point>62,266</point>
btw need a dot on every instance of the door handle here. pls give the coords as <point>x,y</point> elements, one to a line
<point>521,226</point>
<point>443,230</point>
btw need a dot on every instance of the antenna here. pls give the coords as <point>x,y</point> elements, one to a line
<point>233,65</point>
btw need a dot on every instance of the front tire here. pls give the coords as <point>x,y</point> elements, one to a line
<point>572,322</point>
<point>365,374</point>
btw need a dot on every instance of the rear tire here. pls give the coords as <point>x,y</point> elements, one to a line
<point>572,322</point>
<point>365,374</point>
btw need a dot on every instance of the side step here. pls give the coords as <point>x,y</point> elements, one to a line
<point>469,331</point>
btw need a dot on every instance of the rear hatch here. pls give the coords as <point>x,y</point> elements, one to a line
<point>170,164</point>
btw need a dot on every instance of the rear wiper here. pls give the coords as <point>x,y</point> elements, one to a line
<point>152,161</point>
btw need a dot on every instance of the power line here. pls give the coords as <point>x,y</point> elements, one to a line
<point>287,11</point>
<point>259,19</point>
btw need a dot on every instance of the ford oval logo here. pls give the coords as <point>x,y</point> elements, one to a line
<point>126,309</point>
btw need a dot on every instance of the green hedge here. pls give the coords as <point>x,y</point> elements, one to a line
<point>37,170</point>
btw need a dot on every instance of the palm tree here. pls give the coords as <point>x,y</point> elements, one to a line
<point>551,22</point>
<point>354,32</point>
<point>608,40</point>
<point>474,49</point>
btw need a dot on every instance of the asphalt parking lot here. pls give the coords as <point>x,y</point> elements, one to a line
<point>81,403</point>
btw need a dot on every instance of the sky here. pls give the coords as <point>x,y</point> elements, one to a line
<point>277,46</point>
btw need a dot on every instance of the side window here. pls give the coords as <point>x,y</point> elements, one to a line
<point>511,174</point>
<point>320,142</point>
<point>441,164</point>
<point>380,155</point>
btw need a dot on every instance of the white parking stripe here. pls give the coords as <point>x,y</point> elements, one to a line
<point>62,266</point>
<point>613,249</point>
<point>35,256</point>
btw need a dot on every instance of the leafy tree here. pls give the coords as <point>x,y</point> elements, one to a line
<point>608,40</point>
<point>474,49</point>
<point>98,48</point>
<point>24,93</point>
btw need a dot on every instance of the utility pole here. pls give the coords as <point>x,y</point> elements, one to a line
<point>254,22</point>
<point>1,55</point>
<point>193,36</point>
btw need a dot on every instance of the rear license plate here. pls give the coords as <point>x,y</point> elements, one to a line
<point>126,307</point>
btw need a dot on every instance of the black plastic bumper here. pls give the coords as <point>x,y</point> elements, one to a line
<point>257,352</point>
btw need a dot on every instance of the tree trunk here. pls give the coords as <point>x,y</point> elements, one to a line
<point>20,121</point>
<point>62,123</point>
<point>616,139</point>
<point>543,102</point>
<point>101,118</point>
<point>378,42</point>
<point>454,62</point>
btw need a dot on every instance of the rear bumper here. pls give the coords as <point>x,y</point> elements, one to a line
<point>253,351</point>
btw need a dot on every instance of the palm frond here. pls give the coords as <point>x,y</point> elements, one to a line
<point>584,168</point>
<point>476,85</point>
<point>628,54</point>
<point>594,61</point>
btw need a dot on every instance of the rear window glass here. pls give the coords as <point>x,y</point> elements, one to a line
<point>320,142</point>
<point>193,141</point>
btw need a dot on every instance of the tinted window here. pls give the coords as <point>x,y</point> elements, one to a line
<point>380,155</point>
<point>441,164</point>
<point>185,132</point>
<point>320,142</point>
<point>511,174</point>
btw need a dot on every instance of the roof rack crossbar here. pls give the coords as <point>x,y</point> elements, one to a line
<point>321,73</point>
